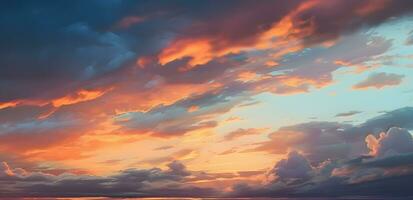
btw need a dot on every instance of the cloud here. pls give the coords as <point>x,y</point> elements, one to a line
<point>409,40</point>
<point>395,140</point>
<point>294,168</point>
<point>29,135</point>
<point>305,23</point>
<point>397,118</point>
<point>130,182</point>
<point>378,159</point>
<point>128,21</point>
<point>244,132</point>
<point>379,80</point>
<point>183,155</point>
<point>178,119</point>
<point>80,96</point>
<point>347,114</point>
<point>295,176</point>
<point>320,141</point>
<point>72,78</point>
<point>305,173</point>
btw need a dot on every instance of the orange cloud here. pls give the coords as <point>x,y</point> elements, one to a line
<point>248,76</point>
<point>7,170</point>
<point>193,108</point>
<point>77,97</point>
<point>165,95</point>
<point>296,81</point>
<point>198,50</point>
<point>19,102</point>
<point>201,50</point>
<point>271,63</point>
<point>8,104</point>
<point>359,67</point>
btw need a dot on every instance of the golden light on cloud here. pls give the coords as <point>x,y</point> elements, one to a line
<point>79,96</point>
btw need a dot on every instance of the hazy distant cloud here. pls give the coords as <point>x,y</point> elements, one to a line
<point>409,40</point>
<point>164,147</point>
<point>244,132</point>
<point>347,114</point>
<point>379,80</point>
<point>178,155</point>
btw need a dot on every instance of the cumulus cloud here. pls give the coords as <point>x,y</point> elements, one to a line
<point>356,176</point>
<point>395,140</point>
<point>380,160</point>
<point>379,80</point>
<point>294,168</point>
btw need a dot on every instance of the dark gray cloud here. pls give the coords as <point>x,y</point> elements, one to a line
<point>131,182</point>
<point>294,168</point>
<point>44,56</point>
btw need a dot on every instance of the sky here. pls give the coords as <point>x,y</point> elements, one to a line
<point>180,98</point>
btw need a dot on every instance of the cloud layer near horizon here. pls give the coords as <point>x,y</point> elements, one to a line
<point>381,160</point>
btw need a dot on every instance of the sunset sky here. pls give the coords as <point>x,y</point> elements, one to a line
<point>232,98</point>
